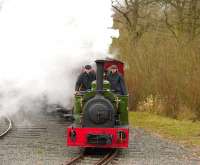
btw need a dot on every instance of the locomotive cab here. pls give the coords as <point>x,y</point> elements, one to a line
<point>101,116</point>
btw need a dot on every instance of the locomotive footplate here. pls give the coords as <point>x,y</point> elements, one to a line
<point>99,139</point>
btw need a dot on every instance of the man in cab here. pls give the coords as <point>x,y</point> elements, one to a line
<point>84,81</point>
<point>116,80</point>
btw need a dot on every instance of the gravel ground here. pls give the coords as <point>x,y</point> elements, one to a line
<point>39,139</point>
<point>146,149</point>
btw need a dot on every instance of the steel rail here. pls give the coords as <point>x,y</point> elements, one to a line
<point>107,158</point>
<point>75,159</point>
<point>9,127</point>
<point>103,161</point>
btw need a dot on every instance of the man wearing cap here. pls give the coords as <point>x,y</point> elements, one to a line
<point>85,79</point>
<point>117,81</point>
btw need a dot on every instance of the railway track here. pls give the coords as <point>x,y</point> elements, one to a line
<point>109,157</point>
<point>9,127</point>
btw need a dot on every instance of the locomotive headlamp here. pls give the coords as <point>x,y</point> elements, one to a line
<point>72,134</point>
<point>121,136</point>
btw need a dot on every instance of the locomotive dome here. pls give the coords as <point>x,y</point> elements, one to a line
<point>106,85</point>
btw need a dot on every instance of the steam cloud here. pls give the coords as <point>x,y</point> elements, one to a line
<point>43,43</point>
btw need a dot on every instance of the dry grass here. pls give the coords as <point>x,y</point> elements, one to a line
<point>185,132</point>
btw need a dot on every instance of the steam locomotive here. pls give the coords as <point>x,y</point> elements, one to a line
<point>101,116</point>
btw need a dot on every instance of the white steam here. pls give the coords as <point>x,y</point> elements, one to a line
<point>44,42</point>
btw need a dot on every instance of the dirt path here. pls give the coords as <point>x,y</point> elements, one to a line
<point>39,139</point>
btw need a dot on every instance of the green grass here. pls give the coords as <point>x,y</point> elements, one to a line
<point>185,132</point>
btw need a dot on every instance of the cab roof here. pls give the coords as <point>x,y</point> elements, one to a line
<point>110,61</point>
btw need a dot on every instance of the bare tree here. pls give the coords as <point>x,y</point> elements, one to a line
<point>131,13</point>
<point>182,18</point>
<point>193,27</point>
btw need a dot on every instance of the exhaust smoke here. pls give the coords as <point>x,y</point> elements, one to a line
<point>44,43</point>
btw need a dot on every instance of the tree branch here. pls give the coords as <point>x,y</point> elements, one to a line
<point>126,2</point>
<point>125,14</point>
<point>171,3</point>
<point>170,27</point>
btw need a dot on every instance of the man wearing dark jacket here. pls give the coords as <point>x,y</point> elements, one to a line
<point>85,79</point>
<point>117,81</point>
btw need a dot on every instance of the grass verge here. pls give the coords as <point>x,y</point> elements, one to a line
<point>185,132</point>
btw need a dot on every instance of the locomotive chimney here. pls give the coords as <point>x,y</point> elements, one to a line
<point>99,76</point>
